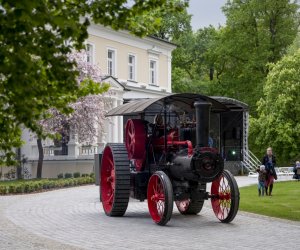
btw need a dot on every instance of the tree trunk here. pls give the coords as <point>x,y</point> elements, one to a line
<point>41,158</point>
<point>211,73</point>
<point>19,168</point>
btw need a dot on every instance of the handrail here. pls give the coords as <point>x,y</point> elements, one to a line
<point>253,156</point>
<point>250,161</point>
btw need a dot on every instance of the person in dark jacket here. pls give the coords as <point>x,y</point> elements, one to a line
<point>262,174</point>
<point>296,171</point>
<point>269,160</point>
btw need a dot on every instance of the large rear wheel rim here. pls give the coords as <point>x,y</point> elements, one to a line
<point>107,180</point>
<point>135,138</point>
<point>130,138</point>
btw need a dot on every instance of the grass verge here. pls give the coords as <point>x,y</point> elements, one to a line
<point>285,202</point>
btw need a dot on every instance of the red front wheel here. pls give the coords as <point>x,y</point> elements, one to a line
<point>160,198</point>
<point>225,197</point>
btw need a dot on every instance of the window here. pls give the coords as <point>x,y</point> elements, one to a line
<point>153,72</point>
<point>111,62</point>
<point>89,53</point>
<point>131,67</point>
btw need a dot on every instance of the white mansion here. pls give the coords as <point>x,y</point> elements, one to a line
<point>135,68</point>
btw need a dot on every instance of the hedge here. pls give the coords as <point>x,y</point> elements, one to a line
<point>29,186</point>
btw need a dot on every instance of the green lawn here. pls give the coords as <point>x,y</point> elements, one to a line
<point>285,202</point>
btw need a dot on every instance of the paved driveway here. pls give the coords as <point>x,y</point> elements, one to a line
<point>73,219</point>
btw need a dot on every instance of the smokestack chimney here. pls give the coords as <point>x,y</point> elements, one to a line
<point>202,109</point>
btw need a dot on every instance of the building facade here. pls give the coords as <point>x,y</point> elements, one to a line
<point>135,68</point>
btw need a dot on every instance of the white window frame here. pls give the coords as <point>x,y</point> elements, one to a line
<point>90,52</point>
<point>133,66</point>
<point>154,71</point>
<point>113,61</point>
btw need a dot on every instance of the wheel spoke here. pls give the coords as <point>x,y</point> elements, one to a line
<point>110,199</point>
<point>131,135</point>
<point>111,163</point>
<point>156,185</point>
<point>161,197</point>
<point>154,189</point>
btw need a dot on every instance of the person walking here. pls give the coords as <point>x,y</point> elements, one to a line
<point>269,161</point>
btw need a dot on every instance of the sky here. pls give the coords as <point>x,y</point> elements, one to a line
<point>206,12</point>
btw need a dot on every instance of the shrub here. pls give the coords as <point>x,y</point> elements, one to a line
<point>12,189</point>
<point>45,185</point>
<point>60,183</point>
<point>68,175</point>
<point>76,181</point>
<point>76,175</point>
<point>37,186</point>
<point>20,189</point>
<point>3,190</point>
<point>60,176</point>
<point>84,175</point>
<point>51,184</point>
<point>92,175</point>
<point>65,183</point>
<point>28,186</point>
<point>71,182</point>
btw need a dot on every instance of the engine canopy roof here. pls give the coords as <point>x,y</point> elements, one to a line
<point>175,102</point>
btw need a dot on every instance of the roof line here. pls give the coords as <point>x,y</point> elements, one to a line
<point>162,40</point>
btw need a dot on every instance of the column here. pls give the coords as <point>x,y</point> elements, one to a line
<point>115,128</point>
<point>73,146</point>
<point>120,124</point>
<point>169,88</point>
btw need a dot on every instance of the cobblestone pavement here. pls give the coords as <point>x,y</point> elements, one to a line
<point>73,219</point>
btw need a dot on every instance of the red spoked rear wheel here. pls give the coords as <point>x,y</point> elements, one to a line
<point>225,197</point>
<point>135,138</point>
<point>160,198</point>
<point>115,180</point>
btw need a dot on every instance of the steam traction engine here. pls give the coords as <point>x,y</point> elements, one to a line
<point>166,158</point>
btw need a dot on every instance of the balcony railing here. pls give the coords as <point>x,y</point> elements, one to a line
<point>87,150</point>
<point>52,151</point>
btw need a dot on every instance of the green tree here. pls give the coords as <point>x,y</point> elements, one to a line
<point>257,32</point>
<point>192,70</point>
<point>174,25</point>
<point>35,40</point>
<point>278,124</point>
<point>294,46</point>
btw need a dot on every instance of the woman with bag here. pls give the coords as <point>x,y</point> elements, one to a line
<point>269,161</point>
